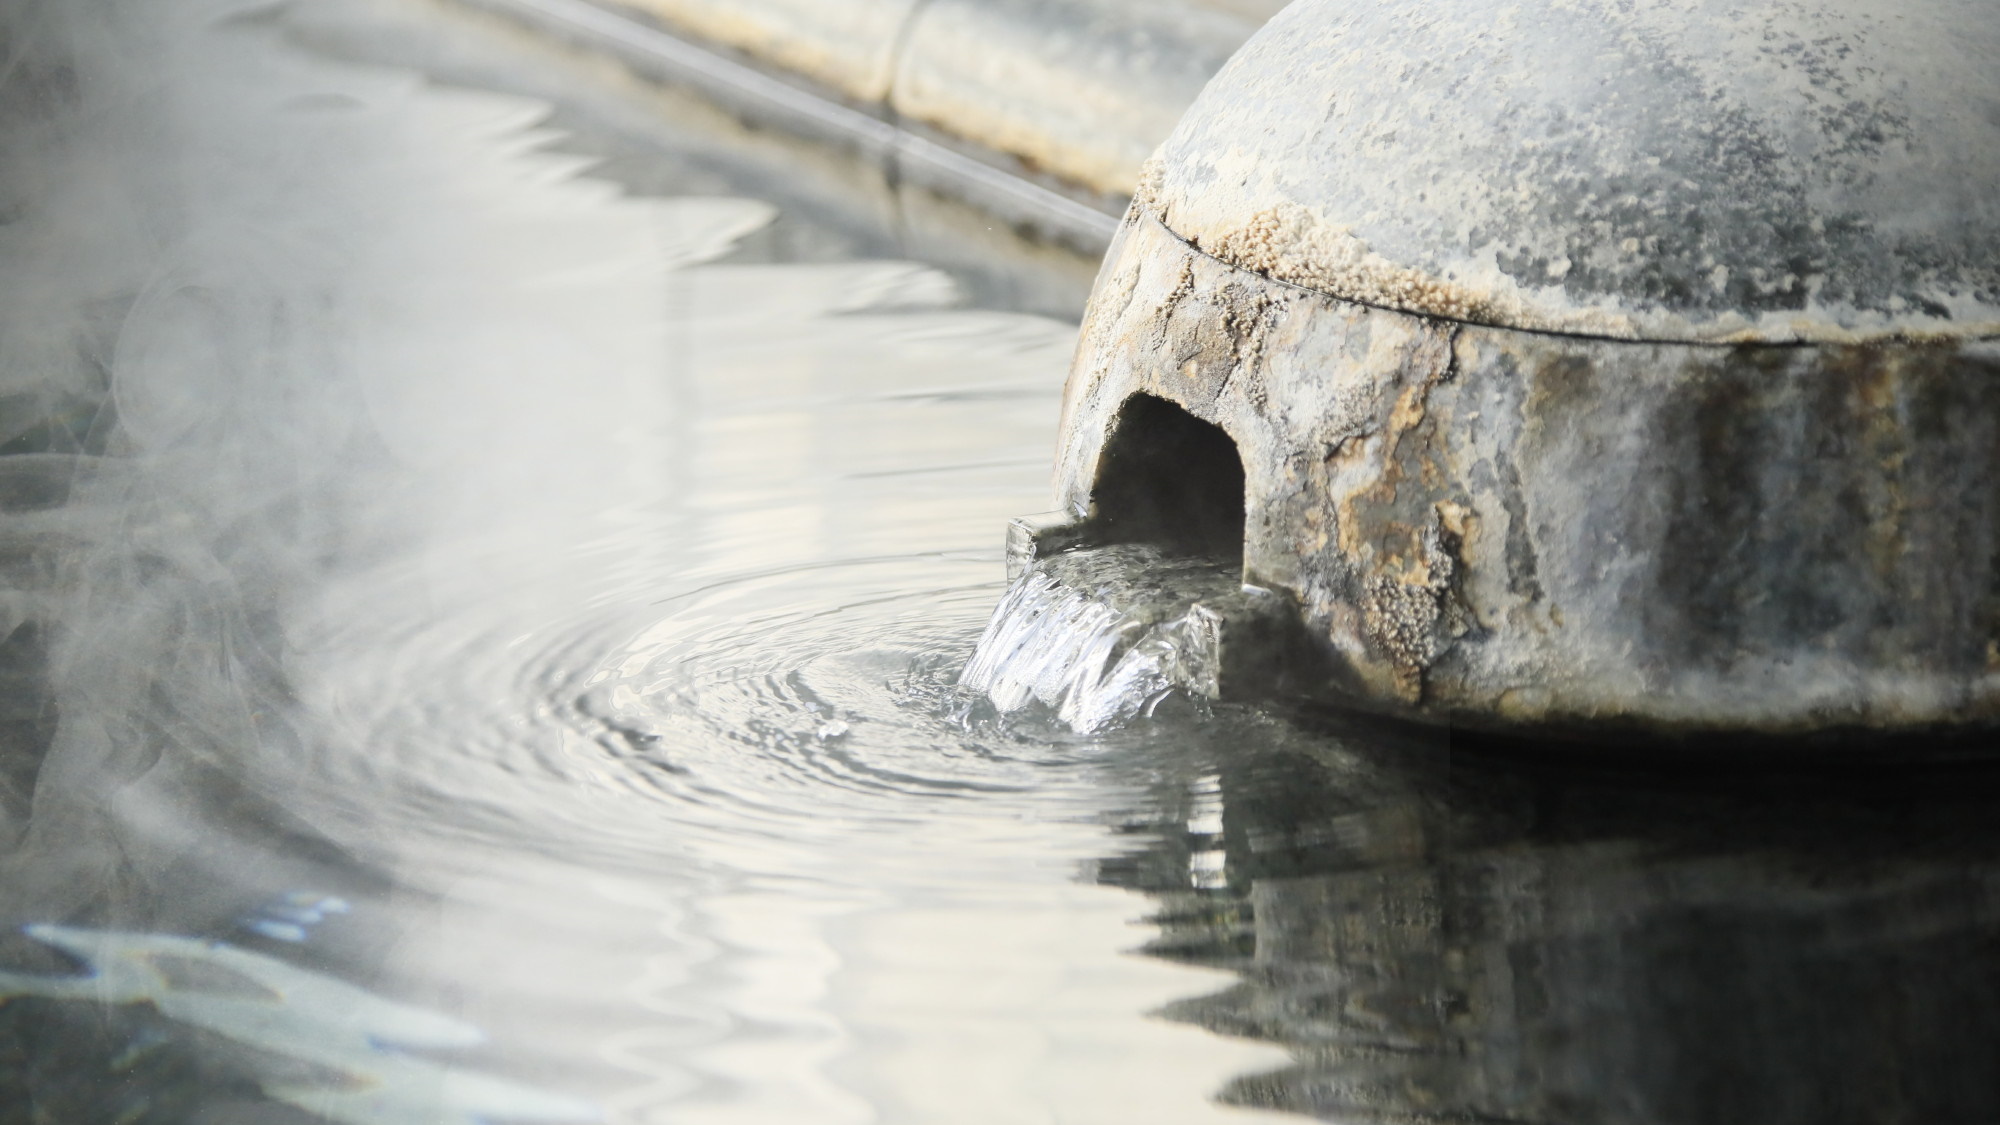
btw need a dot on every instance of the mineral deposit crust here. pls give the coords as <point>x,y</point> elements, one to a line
<point>1521,529</point>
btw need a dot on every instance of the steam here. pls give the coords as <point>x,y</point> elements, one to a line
<point>246,293</point>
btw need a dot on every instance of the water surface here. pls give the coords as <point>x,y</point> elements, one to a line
<point>488,563</point>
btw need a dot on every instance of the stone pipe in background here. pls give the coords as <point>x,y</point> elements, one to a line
<point>1084,91</point>
<point>1617,369</point>
<point>1072,95</point>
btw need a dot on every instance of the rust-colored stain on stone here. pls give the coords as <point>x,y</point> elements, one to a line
<point>1506,527</point>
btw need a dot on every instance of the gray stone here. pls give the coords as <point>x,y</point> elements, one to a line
<point>848,46</point>
<point>1695,170</point>
<point>1077,91</point>
<point>1085,89</point>
<point>1588,366</point>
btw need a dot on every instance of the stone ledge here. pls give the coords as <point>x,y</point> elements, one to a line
<point>1065,98</point>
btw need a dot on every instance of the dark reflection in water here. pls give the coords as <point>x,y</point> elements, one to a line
<point>1453,937</point>
<point>479,644</point>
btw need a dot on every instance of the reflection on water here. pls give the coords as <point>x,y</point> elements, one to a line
<point>339,1052</point>
<point>1448,937</point>
<point>444,590</point>
<point>291,917</point>
<point>403,516</point>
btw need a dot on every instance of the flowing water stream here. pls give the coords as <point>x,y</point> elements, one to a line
<point>1099,636</point>
<point>491,564</point>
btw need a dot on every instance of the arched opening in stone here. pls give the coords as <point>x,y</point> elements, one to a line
<point>1172,480</point>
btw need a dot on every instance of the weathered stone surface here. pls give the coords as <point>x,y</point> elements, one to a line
<point>1583,373</point>
<point>848,46</point>
<point>1086,90</point>
<point>1690,170</point>
<point>1080,90</point>
<point>1506,527</point>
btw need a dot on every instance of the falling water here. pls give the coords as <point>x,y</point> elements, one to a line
<point>1099,636</point>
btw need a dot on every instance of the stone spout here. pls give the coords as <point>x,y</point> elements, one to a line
<point>1579,370</point>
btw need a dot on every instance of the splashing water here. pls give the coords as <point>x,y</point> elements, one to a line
<point>1099,636</point>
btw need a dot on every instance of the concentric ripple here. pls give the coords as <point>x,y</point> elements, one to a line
<point>815,708</point>
<point>465,542</point>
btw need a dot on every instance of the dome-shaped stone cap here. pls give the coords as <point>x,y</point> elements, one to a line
<point>1696,170</point>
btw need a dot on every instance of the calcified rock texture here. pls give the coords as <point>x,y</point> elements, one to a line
<point>1750,484</point>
